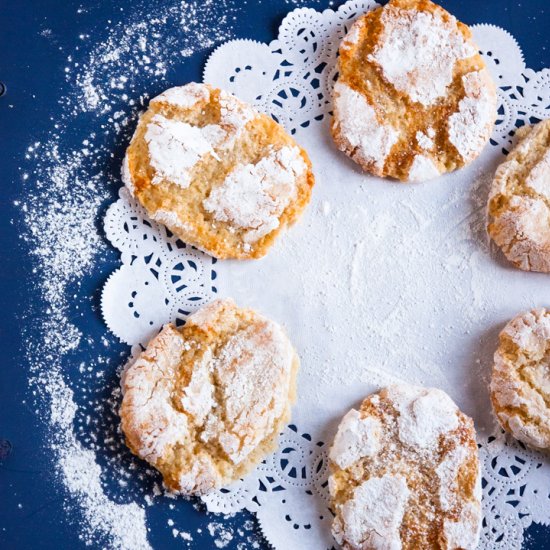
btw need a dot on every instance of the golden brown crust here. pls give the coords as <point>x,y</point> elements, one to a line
<point>402,111</point>
<point>250,137</point>
<point>205,403</point>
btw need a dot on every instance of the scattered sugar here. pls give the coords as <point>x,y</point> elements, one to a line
<point>222,534</point>
<point>65,189</point>
<point>186,536</point>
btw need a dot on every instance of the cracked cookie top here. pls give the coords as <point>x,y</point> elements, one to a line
<point>519,201</point>
<point>220,175</point>
<point>405,473</point>
<point>205,403</point>
<point>413,98</point>
<point>520,382</point>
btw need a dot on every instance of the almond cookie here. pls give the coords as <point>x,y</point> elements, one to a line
<point>413,98</point>
<point>217,173</point>
<point>519,201</point>
<point>405,473</point>
<point>520,383</point>
<point>205,403</point>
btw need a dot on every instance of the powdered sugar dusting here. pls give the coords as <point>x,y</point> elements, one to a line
<point>448,475</point>
<point>425,140</point>
<point>148,385</point>
<point>126,176</point>
<point>372,518</point>
<point>539,177</point>
<point>353,35</point>
<point>253,196</point>
<point>464,533</point>
<point>423,169</point>
<point>356,438</point>
<point>424,414</point>
<point>360,126</point>
<point>170,219</point>
<point>520,381</point>
<point>234,115</point>
<point>233,398</point>
<point>255,394</point>
<point>470,127</point>
<point>185,97</point>
<point>175,147</point>
<point>417,52</point>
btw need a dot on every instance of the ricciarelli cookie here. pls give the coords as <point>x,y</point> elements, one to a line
<point>217,173</point>
<point>520,383</point>
<point>405,473</point>
<point>205,403</point>
<point>519,201</point>
<point>413,98</point>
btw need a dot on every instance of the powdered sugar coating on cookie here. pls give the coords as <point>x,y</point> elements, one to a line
<point>447,472</point>
<point>425,140</point>
<point>417,52</point>
<point>248,369</point>
<point>353,35</point>
<point>161,425</point>
<point>470,127</point>
<point>405,473</point>
<point>126,176</point>
<point>366,137</point>
<point>184,96</point>
<point>423,415</point>
<point>204,404</point>
<point>520,382</point>
<point>253,196</point>
<point>175,147</point>
<point>356,438</point>
<point>423,168</point>
<point>538,179</point>
<point>372,517</point>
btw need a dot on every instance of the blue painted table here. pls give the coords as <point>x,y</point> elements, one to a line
<point>31,67</point>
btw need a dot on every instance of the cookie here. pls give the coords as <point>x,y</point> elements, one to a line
<point>217,173</point>
<point>519,207</point>
<point>520,382</point>
<point>205,403</point>
<point>405,473</point>
<point>413,99</point>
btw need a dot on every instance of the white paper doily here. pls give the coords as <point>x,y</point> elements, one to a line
<point>398,282</point>
<point>161,279</point>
